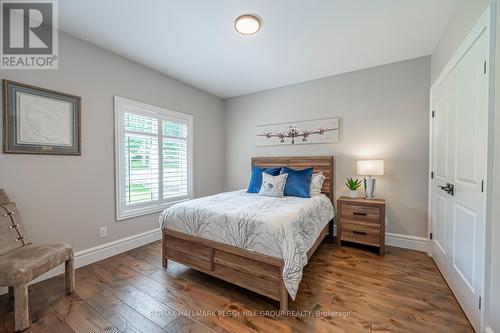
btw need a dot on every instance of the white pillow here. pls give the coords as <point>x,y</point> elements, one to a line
<point>317,183</point>
<point>273,186</point>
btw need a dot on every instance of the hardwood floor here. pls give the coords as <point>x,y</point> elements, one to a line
<point>346,289</point>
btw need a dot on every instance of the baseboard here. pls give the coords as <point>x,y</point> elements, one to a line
<point>488,330</point>
<point>406,241</point>
<point>94,254</point>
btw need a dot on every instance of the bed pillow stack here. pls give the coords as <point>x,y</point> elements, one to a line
<point>298,183</point>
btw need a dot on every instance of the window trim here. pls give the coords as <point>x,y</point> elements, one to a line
<point>122,211</point>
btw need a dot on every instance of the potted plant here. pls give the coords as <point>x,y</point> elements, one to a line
<point>353,185</point>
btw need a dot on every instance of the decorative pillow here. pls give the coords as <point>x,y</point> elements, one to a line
<point>273,186</point>
<point>317,183</point>
<point>12,233</point>
<point>298,183</point>
<point>256,179</point>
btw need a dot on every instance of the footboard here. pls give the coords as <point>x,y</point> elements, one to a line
<point>254,271</point>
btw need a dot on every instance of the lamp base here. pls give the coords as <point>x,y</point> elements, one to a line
<point>370,188</point>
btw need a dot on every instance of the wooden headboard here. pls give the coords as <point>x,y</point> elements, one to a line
<point>325,164</point>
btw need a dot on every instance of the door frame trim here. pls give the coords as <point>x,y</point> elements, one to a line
<point>485,22</point>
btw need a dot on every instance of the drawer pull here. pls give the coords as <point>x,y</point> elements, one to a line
<point>359,232</point>
<point>357,213</point>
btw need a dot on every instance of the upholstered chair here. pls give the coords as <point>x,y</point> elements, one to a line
<point>21,261</point>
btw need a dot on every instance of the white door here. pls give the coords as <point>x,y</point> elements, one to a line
<point>459,157</point>
<point>441,154</point>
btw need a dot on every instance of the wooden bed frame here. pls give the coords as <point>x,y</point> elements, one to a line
<point>248,269</point>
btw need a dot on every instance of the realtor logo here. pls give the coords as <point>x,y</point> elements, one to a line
<point>29,35</point>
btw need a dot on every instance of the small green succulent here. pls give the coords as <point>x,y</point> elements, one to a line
<point>353,184</point>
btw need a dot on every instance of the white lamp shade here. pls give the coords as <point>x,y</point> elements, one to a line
<point>371,168</point>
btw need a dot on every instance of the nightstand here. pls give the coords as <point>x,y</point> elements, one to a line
<point>361,221</point>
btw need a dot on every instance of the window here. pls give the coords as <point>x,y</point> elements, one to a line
<point>153,158</point>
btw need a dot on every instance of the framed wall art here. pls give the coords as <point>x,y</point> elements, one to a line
<point>299,132</point>
<point>40,121</point>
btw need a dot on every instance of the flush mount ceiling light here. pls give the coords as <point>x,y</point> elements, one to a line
<point>247,24</point>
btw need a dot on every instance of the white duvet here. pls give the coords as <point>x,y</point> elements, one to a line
<point>280,227</point>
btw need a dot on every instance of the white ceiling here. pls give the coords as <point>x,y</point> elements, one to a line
<point>300,40</point>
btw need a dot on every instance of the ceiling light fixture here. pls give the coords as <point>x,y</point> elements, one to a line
<point>247,24</point>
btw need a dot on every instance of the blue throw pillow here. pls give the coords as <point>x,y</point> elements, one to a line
<point>256,179</point>
<point>298,183</point>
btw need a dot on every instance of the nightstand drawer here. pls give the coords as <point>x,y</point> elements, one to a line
<point>358,212</point>
<point>361,233</point>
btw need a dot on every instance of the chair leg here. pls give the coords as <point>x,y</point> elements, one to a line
<point>11,292</point>
<point>22,317</point>
<point>69,267</point>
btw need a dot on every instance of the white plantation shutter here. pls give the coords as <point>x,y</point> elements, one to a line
<point>141,167</point>
<point>153,157</point>
<point>175,159</point>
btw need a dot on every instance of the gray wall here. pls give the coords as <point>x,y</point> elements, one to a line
<point>384,115</point>
<point>65,198</point>
<point>461,22</point>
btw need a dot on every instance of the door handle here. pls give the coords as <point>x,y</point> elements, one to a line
<point>449,188</point>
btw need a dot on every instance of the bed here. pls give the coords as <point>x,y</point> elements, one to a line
<point>259,243</point>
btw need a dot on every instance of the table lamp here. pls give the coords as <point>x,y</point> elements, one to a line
<point>370,168</point>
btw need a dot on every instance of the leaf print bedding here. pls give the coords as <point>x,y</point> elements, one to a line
<point>282,227</point>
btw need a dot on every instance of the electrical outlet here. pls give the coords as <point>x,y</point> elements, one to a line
<point>103,232</point>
